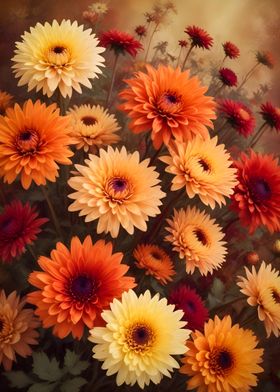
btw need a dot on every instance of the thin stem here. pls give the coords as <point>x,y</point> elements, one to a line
<point>31,251</point>
<point>219,89</point>
<point>224,306</point>
<point>187,56</point>
<point>112,80</point>
<point>156,154</point>
<point>222,62</point>
<point>247,76</point>
<point>179,57</point>
<point>52,211</point>
<point>249,319</point>
<point>258,135</point>
<point>154,55</point>
<point>150,41</point>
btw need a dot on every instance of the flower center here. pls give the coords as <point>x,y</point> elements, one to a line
<point>201,237</point>
<point>275,295</point>
<point>156,255</point>
<point>169,103</point>
<point>260,190</point>
<point>82,288</point>
<point>6,224</point>
<point>118,189</point>
<point>204,165</point>
<point>88,120</point>
<point>190,306</point>
<point>58,49</point>
<point>244,115</point>
<point>27,142</point>
<point>140,337</point>
<point>220,361</point>
<point>58,56</point>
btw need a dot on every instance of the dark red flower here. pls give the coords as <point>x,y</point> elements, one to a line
<point>19,226</point>
<point>183,43</point>
<point>256,198</point>
<point>186,299</point>
<point>141,31</point>
<point>271,115</point>
<point>228,77</point>
<point>265,58</point>
<point>199,37</point>
<point>231,50</point>
<point>238,115</point>
<point>120,42</point>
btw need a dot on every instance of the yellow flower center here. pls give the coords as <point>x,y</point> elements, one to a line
<point>221,361</point>
<point>27,142</point>
<point>58,56</point>
<point>118,189</point>
<point>139,337</point>
<point>243,114</point>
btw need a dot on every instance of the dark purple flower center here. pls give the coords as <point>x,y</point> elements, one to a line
<point>82,288</point>
<point>6,224</point>
<point>204,165</point>
<point>119,184</point>
<point>171,98</point>
<point>88,120</point>
<point>58,49</point>
<point>276,296</point>
<point>141,335</point>
<point>200,236</point>
<point>224,360</point>
<point>260,190</point>
<point>25,136</point>
<point>190,306</point>
<point>156,255</point>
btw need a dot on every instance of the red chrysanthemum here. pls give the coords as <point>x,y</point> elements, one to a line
<point>141,31</point>
<point>183,43</point>
<point>187,299</point>
<point>257,196</point>
<point>271,115</point>
<point>199,37</point>
<point>231,50</point>
<point>120,42</point>
<point>238,115</point>
<point>265,58</point>
<point>19,226</point>
<point>228,77</point>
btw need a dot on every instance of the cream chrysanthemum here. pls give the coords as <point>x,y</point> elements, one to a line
<point>93,127</point>
<point>140,337</point>
<point>98,7</point>
<point>117,189</point>
<point>204,168</point>
<point>55,55</point>
<point>197,239</point>
<point>263,290</point>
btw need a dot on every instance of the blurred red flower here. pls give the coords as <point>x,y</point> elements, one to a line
<point>265,58</point>
<point>271,115</point>
<point>199,37</point>
<point>183,43</point>
<point>120,42</point>
<point>238,115</point>
<point>228,77</point>
<point>231,50</point>
<point>141,31</point>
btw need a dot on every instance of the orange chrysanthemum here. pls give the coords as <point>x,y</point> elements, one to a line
<point>169,103</point>
<point>6,101</point>
<point>223,359</point>
<point>155,261</point>
<point>33,139</point>
<point>77,284</point>
<point>17,329</point>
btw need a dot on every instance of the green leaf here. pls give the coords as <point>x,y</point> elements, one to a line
<point>70,359</point>
<point>73,385</point>
<point>46,369</point>
<point>18,379</point>
<point>73,365</point>
<point>42,387</point>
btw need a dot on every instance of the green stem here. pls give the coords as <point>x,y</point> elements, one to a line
<point>187,56</point>
<point>150,41</point>
<point>247,76</point>
<point>112,80</point>
<point>258,135</point>
<point>52,211</point>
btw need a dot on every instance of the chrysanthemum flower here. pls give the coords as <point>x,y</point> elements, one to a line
<point>228,77</point>
<point>140,337</point>
<point>187,299</point>
<point>6,101</point>
<point>118,190</point>
<point>199,37</point>
<point>141,31</point>
<point>33,139</point>
<point>169,103</point>
<point>223,359</point>
<point>198,239</point>
<point>271,115</point>
<point>231,50</point>
<point>183,43</point>
<point>99,7</point>
<point>77,284</point>
<point>57,56</point>
<point>120,42</point>
<point>263,290</point>
<point>203,168</point>
<point>155,261</point>
<point>93,127</point>
<point>265,58</point>
<point>256,198</point>
<point>238,115</point>
<point>19,226</point>
<point>17,329</point>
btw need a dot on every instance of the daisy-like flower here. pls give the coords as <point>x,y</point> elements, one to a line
<point>120,42</point>
<point>271,115</point>
<point>197,239</point>
<point>169,103</point>
<point>17,329</point>
<point>231,50</point>
<point>57,56</point>
<point>33,139</point>
<point>256,197</point>
<point>228,77</point>
<point>265,58</point>
<point>183,43</point>
<point>118,190</point>
<point>141,31</point>
<point>263,290</point>
<point>199,37</point>
<point>187,299</point>
<point>155,261</point>
<point>224,358</point>
<point>203,167</point>
<point>93,127</point>
<point>140,337</point>
<point>6,101</point>
<point>238,115</point>
<point>19,226</point>
<point>76,284</point>
<point>99,8</point>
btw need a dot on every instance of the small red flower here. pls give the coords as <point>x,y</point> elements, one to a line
<point>231,50</point>
<point>141,31</point>
<point>228,77</point>
<point>19,226</point>
<point>199,37</point>
<point>238,115</point>
<point>183,43</point>
<point>271,115</point>
<point>120,42</point>
<point>265,58</point>
<point>90,16</point>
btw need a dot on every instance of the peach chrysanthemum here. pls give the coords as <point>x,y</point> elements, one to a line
<point>197,239</point>
<point>222,359</point>
<point>33,139</point>
<point>263,290</point>
<point>57,56</point>
<point>168,103</point>
<point>155,261</point>
<point>204,168</point>
<point>17,329</point>
<point>93,127</point>
<point>6,101</point>
<point>117,189</point>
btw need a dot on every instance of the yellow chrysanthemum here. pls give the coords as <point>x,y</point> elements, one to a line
<point>55,55</point>
<point>223,359</point>
<point>140,337</point>
<point>197,239</point>
<point>203,168</point>
<point>93,127</point>
<point>263,290</point>
<point>117,189</point>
